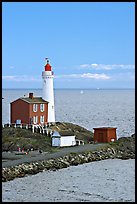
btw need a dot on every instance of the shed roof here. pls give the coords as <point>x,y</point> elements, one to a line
<point>62,133</point>
<point>104,128</point>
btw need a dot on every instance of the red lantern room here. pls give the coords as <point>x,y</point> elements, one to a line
<point>47,66</point>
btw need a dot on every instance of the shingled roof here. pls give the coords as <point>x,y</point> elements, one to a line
<point>34,100</point>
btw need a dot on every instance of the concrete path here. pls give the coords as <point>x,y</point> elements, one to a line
<point>11,159</point>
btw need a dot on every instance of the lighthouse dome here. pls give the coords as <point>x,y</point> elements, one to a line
<point>47,66</point>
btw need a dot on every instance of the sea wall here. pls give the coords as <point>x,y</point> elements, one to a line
<point>64,162</point>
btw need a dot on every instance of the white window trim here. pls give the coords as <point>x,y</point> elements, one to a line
<point>35,119</point>
<point>42,119</point>
<point>42,107</point>
<point>35,107</point>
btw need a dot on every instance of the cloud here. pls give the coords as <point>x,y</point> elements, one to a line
<point>8,77</point>
<point>94,65</point>
<point>21,78</point>
<point>85,75</point>
<point>12,67</point>
<point>67,76</point>
<point>85,65</point>
<point>128,76</point>
<point>95,76</point>
<point>108,66</point>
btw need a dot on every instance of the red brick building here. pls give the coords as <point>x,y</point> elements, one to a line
<point>29,110</point>
<point>105,134</point>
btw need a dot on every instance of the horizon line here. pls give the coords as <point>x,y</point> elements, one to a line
<point>70,88</point>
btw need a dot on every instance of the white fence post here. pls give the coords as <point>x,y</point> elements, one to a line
<point>33,128</point>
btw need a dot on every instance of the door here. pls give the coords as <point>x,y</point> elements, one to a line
<point>101,139</point>
<point>56,141</point>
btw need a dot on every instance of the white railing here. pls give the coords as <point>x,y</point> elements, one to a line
<point>42,129</point>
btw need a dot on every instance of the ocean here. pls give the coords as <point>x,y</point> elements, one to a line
<point>111,180</point>
<point>87,108</point>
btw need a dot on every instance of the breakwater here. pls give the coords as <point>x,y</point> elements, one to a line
<point>68,160</point>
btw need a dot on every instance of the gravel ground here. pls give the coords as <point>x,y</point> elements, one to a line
<point>11,159</point>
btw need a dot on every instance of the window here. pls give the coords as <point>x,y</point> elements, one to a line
<point>35,107</point>
<point>18,122</point>
<point>35,119</point>
<point>41,107</point>
<point>42,119</point>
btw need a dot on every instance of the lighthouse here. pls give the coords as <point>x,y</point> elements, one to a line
<point>48,91</point>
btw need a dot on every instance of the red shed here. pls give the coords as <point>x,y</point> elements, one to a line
<point>29,110</point>
<point>105,134</point>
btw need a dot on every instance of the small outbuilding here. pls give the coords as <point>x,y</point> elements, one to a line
<point>105,134</point>
<point>63,138</point>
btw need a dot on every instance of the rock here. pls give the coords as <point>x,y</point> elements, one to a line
<point>65,163</point>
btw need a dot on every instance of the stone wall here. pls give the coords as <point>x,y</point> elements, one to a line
<point>64,162</point>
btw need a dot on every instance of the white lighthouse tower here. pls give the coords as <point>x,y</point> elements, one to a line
<point>48,91</point>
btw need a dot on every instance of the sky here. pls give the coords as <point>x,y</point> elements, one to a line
<point>89,44</point>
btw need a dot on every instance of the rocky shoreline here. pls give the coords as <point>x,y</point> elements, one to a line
<point>124,148</point>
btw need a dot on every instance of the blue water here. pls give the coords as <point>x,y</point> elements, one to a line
<point>90,108</point>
